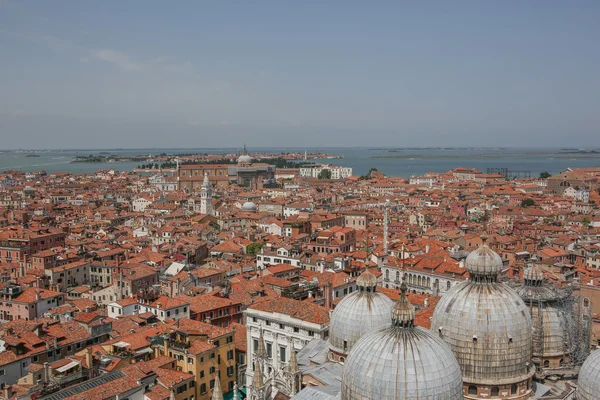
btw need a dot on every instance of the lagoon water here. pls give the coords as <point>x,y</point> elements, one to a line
<point>392,162</point>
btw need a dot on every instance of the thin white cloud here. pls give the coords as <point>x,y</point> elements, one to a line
<point>117,58</point>
<point>56,43</point>
<point>186,67</point>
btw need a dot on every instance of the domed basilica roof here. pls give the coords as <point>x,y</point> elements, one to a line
<point>359,312</point>
<point>486,324</point>
<point>588,382</point>
<point>401,361</point>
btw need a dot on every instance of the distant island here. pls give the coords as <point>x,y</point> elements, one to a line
<point>577,151</point>
<point>107,159</point>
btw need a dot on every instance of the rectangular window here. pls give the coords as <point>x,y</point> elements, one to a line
<point>211,370</point>
<point>229,355</point>
<point>255,344</point>
<point>269,350</point>
<point>203,388</point>
<point>282,353</point>
<point>202,374</point>
<point>190,360</point>
<point>212,384</point>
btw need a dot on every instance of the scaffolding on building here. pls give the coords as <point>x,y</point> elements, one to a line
<point>574,323</point>
<point>508,174</point>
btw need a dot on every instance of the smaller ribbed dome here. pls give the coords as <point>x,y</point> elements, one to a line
<point>366,280</point>
<point>358,313</point>
<point>533,276</point>
<point>245,159</point>
<point>484,262</point>
<point>589,378</point>
<point>249,207</point>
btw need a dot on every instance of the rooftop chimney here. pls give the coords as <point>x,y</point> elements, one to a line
<point>89,360</point>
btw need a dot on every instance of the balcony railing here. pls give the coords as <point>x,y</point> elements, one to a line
<point>62,380</point>
<point>179,346</point>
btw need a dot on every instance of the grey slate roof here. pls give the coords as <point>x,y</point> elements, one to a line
<point>315,352</point>
<point>318,393</point>
<point>82,387</point>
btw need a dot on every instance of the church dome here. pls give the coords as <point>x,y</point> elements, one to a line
<point>401,361</point>
<point>588,382</point>
<point>484,262</point>
<point>249,207</point>
<point>245,159</point>
<point>486,324</point>
<point>367,280</point>
<point>534,275</point>
<point>549,322</point>
<point>358,313</point>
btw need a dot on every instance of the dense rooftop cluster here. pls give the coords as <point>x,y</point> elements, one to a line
<point>122,284</point>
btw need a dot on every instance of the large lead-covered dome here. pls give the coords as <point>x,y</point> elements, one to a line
<point>486,324</point>
<point>358,313</point>
<point>401,362</point>
<point>588,383</point>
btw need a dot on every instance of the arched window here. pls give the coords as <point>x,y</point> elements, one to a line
<point>514,388</point>
<point>448,285</point>
<point>397,275</point>
<point>472,389</point>
<point>586,302</point>
<point>546,363</point>
<point>495,391</point>
<point>387,274</point>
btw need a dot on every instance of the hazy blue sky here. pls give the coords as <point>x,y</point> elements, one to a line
<point>297,73</point>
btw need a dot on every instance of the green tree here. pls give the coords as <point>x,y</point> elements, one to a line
<point>325,174</point>
<point>586,222</point>
<point>545,175</point>
<point>254,248</point>
<point>527,203</point>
